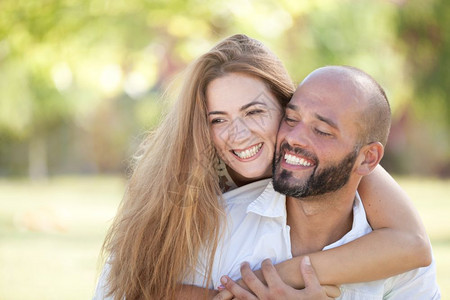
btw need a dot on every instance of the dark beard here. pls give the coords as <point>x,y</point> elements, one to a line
<point>329,179</point>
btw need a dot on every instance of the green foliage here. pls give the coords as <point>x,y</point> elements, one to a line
<point>424,29</point>
<point>62,62</point>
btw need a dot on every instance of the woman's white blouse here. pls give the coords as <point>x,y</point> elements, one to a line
<point>255,229</point>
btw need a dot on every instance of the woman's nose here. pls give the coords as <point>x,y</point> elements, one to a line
<point>238,131</point>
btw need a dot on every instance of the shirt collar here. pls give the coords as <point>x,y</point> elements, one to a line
<point>269,203</point>
<point>360,224</point>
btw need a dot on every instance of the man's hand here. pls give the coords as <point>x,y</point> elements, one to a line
<point>276,288</point>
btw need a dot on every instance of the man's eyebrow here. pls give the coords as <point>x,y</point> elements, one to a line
<point>292,106</point>
<point>328,121</point>
<point>244,107</point>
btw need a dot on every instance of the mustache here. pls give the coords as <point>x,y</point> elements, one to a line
<point>297,150</point>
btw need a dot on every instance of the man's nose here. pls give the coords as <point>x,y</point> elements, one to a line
<point>297,136</point>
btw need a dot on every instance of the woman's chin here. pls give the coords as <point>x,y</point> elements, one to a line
<point>248,176</point>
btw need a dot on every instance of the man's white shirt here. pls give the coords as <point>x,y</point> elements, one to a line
<point>256,229</point>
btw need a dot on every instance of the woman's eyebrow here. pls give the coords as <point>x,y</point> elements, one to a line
<point>251,104</point>
<point>216,112</point>
<point>244,107</point>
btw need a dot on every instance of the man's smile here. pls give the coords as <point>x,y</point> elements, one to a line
<point>296,160</point>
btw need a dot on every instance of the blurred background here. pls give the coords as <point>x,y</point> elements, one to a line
<point>82,81</point>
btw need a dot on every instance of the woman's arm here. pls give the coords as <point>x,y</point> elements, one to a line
<point>398,243</point>
<point>188,292</point>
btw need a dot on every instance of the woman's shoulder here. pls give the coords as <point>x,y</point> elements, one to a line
<point>102,286</point>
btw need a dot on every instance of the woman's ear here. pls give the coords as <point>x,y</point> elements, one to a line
<point>370,156</point>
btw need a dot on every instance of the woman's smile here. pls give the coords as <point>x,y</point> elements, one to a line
<point>248,153</point>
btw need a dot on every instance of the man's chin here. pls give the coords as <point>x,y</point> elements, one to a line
<point>289,186</point>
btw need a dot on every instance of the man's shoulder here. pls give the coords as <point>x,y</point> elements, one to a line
<point>419,283</point>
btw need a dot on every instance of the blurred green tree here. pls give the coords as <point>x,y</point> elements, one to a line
<point>90,72</point>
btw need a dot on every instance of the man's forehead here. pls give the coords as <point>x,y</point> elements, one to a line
<point>329,88</point>
<point>327,100</point>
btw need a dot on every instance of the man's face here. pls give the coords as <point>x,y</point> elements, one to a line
<point>317,140</point>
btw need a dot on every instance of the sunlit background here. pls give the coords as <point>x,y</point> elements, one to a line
<point>81,81</point>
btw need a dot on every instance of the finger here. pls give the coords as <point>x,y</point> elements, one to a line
<point>270,273</point>
<point>308,273</point>
<point>235,289</point>
<point>224,295</point>
<point>250,279</point>
<point>332,291</point>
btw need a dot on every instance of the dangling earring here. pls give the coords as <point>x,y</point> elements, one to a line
<point>226,183</point>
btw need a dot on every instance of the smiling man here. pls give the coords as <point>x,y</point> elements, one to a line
<point>333,134</point>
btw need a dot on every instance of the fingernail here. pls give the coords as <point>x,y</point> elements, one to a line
<point>223,279</point>
<point>307,261</point>
<point>221,287</point>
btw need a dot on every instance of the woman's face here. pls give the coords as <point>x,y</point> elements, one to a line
<point>244,117</point>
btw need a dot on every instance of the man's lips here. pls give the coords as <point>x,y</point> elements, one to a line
<point>248,152</point>
<point>293,159</point>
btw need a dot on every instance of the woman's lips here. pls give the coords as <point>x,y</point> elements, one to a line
<point>248,153</point>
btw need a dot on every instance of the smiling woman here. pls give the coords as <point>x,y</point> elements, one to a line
<point>244,118</point>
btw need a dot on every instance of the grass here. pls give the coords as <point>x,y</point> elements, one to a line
<point>51,233</point>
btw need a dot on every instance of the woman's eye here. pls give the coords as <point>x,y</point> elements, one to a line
<point>254,112</point>
<point>217,121</point>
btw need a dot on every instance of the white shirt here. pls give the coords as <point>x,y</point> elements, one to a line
<point>102,286</point>
<point>418,284</point>
<point>257,230</point>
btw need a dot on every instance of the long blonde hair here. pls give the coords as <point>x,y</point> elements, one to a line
<point>171,208</point>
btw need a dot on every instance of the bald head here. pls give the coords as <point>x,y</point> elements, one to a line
<point>374,119</point>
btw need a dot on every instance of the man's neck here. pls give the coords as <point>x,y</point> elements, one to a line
<point>318,221</point>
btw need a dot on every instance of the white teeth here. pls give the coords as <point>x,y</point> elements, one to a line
<point>294,160</point>
<point>249,152</point>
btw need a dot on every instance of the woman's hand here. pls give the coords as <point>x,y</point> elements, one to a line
<point>276,288</point>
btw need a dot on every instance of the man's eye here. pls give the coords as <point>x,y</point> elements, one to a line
<point>289,121</point>
<point>319,132</point>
